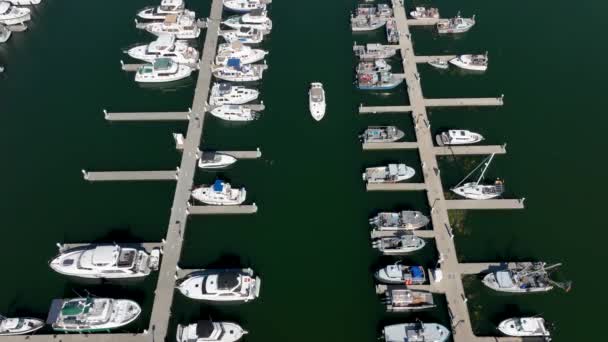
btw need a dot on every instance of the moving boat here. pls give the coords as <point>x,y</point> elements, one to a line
<point>214,160</point>
<point>234,71</point>
<point>243,6</point>
<point>234,113</point>
<point>379,65</point>
<point>316,100</point>
<point>378,81</point>
<point>183,26</point>
<point>165,46</point>
<point>399,245</point>
<point>237,50</point>
<point>524,327</point>
<point>209,331</point>
<point>523,278</point>
<point>374,51</point>
<point>458,137</point>
<point>392,173</point>
<point>398,298</point>
<point>439,64</point>
<point>425,13</point>
<point>12,15</point>
<point>106,261</point>
<point>85,315</point>
<point>401,274</point>
<point>225,94</point>
<point>382,134</point>
<point>256,19</point>
<point>475,191</point>
<point>361,23</point>
<point>5,33</point>
<point>219,193</point>
<point>162,70</point>
<point>471,62</point>
<point>165,8</point>
<point>416,332</point>
<point>407,219</point>
<point>244,35</point>
<point>455,25</point>
<point>19,326</point>
<point>222,285</point>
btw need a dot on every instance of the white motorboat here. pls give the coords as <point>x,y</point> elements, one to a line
<point>374,51</point>
<point>183,26</point>
<point>458,137</point>
<point>471,62</point>
<point>439,64</point>
<point>523,278</point>
<point>214,160</point>
<point>219,193</point>
<point>223,285</point>
<point>228,94</point>
<point>399,245</point>
<point>13,15</point>
<point>244,35</point>
<point>85,315</point>
<point>455,25</point>
<point>316,100</point>
<point>243,6</point>
<point>234,113</point>
<point>257,19</point>
<point>106,261</point>
<point>5,33</point>
<point>165,46</point>
<point>416,332</point>
<point>162,70</point>
<point>398,298</point>
<point>477,191</point>
<point>379,65</point>
<point>524,327</point>
<point>364,23</point>
<point>237,50</point>
<point>401,274</point>
<point>392,173</point>
<point>425,13</point>
<point>234,71</point>
<point>210,331</point>
<point>404,220</point>
<point>165,8</point>
<point>24,2</point>
<point>19,326</point>
<point>381,134</point>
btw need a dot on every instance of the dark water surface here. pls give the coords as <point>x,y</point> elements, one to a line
<point>309,242</point>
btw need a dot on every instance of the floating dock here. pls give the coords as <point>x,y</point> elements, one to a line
<point>147,116</point>
<point>104,176</point>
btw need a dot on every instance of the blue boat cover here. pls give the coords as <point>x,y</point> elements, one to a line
<point>234,63</point>
<point>417,272</point>
<point>218,185</point>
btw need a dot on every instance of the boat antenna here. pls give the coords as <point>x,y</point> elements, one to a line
<point>487,164</point>
<point>469,175</point>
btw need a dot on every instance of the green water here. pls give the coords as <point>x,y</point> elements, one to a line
<point>309,241</point>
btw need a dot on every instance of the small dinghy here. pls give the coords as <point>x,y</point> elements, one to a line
<point>455,25</point>
<point>162,70</point>
<point>425,13</point>
<point>471,62</point>
<point>477,191</point>
<point>404,220</point>
<point>401,274</point>
<point>165,46</point>
<point>524,327</point>
<point>392,173</point>
<point>234,113</point>
<point>439,64</point>
<point>87,315</point>
<point>371,52</point>
<point>209,331</point>
<point>243,6</point>
<point>382,134</point>
<point>234,71</point>
<point>257,19</point>
<point>160,12</point>
<point>244,35</point>
<point>219,193</point>
<point>458,137</point>
<point>237,50</point>
<point>416,332</point>
<point>316,101</point>
<point>378,81</point>
<point>19,326</point>
<point>223,285</point>
<point>398,298</point>
<point>379,65</point>
<point>363,23</point>
<point>183,26</point>
<point>227,94</point>
<point>399,245</point>
<point>214,160</point>
<point>13,15</point>
<point>523,278</point>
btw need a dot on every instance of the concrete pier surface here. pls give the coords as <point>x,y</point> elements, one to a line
<point>396,187</point>
<point>384,109</point>
<point>222,210</point>
<point>462,204</point>
<point>390,146</point>
<point>470,150</point>
<point>426,59</point>
<point>104,176</point>
<point>147,116</point>
<point>464,102</point>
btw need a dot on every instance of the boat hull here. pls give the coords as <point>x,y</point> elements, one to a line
<point>476,192</point>
<point>204,195</point>
<point>17,20</point>
<point>183,72</point>
<point>509,327</point>
<point>133,308</point>
<point>467,66</point>
<point>29,325</point>
<point>225,161</point>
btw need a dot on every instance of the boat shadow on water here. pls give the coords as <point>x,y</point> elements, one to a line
<point>169,86</point>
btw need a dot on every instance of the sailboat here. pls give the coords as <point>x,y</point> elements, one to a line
<point>477,191</point>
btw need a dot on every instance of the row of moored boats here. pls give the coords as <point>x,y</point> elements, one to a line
<point>13,17</point>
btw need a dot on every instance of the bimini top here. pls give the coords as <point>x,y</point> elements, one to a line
<point>234,63</point>
<point>417,272</point>
<point>218,185</point>
<point>204,329</point>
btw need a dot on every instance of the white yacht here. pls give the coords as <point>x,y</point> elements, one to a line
<point>85,315</point>
<point>219,193</point>
<point>162,70</point>
<point>316,101</point>
<point>5,33</point>
<point>106,261</point>
<point>477,191</point>
<point>524,327</point>
<point>210,331</point>
<point>404,220</point>
<point>455,25</point>
<point>237,50</point>
<point>165,46</point>
<point>214,160</point>
<point>234,71</point>
<point>471,62</point>
<point>165,8</point>
<point>399,245</point>
<point>379,65</point>
<point>244,35</point>
<point>228,94</point>
<point>401,274</point>
<point>19,326</point>
<point>183,26</point>
<point>24,2</point>
<point>416,332</point>
<point>257,19</point>
<point>234,113</point>
<point>392,173</point>
<point>439,64</point>
<point>223,285</point>
<point>370,52</point>
<point>458,137</point>
<point>12,15</point>
<point>381,134</point>
<point>243,6</point>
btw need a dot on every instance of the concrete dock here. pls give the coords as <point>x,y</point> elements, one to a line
<point>222,210</point>
<point>426,59</point>
<point>463,204</point>
<point>104,176</point>
<point>147,116</point>
<point>390,146</point>
<point>396,187</point>
<point>464,102</point>
<point>384,109</point>
<point>470,150</point>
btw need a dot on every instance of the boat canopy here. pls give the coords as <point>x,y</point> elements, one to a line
<point>417,272</point>
<point>204,329</point>
<point>504,279</point>
<point>218,185</point>
<point>234,63</point>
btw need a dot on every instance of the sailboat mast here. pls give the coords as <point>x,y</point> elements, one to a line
<point>485,168</point>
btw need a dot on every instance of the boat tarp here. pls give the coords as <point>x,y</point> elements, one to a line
<point>418,272</point>
<point>218,185</point>
<point>234,63</point>
<point>54,311</point>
